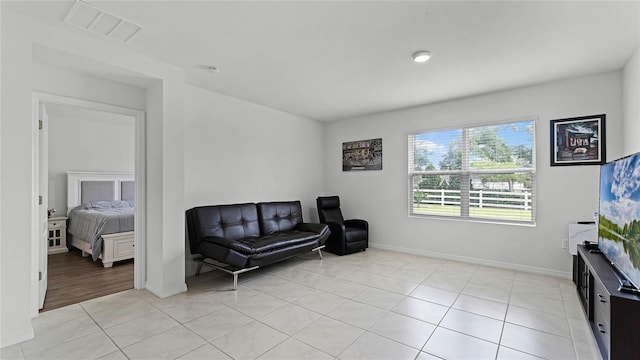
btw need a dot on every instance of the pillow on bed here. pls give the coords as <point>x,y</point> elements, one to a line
<point>97,205</point>
<point>120,204</point>
<point>107,204</point>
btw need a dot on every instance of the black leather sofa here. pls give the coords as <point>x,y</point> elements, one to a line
<point>243,237</point>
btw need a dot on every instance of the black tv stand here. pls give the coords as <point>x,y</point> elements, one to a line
<point>627,286</point>
<point>612,311</point>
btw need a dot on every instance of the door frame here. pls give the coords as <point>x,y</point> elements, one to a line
<point>140,225</point>
<point>41,170</point>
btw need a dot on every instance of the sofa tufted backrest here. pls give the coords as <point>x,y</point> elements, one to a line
<point>233,222</point>
<point>279,216</point>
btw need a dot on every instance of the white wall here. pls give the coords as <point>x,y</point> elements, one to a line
<point>631,86</point>
<point>90,143</point>
<point>64,81</point>
<point>165,186</point>
<point>564,194</point>
<point>165,158</point>
<point>237,151</point>
<point>15,185</point>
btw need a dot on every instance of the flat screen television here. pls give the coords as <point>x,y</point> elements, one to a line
<point>619,217</point>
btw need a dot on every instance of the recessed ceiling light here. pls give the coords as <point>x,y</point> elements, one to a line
<point>421,56</point>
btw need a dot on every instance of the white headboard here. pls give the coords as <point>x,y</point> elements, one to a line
<point>75,180</point>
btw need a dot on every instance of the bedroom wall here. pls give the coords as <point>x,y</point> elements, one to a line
<point>93,135</point>
<point>165,159</point>
<point>237,151</point>
<point>631,86</point>
<point>92,142</point>
<point>564,194</point>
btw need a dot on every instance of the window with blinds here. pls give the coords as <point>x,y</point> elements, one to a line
<point>483,173</point>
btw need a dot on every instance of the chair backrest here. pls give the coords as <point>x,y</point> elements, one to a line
<point>329,209</point>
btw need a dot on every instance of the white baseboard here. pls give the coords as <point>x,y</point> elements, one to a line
<point>9,338</point>
<point>477,261</point>
<point>163,293</point>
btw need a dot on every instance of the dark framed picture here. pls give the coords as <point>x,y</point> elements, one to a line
<point>578,141</point>
<point>362,155</point>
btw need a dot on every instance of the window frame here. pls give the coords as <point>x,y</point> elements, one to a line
<point>466,173</point>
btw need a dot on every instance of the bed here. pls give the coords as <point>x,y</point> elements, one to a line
<point>100,208</point>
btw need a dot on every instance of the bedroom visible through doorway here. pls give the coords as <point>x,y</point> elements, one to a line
<point>96,139</point>
<point>85,148</point>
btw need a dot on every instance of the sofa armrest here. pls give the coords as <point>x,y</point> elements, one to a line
<point>218,240</point>
<point>357,223</point>
<point>337,230</point>
<point>311,227</point>
<point>322,230</point>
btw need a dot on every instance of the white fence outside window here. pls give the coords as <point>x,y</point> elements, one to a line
<point>478,198</point>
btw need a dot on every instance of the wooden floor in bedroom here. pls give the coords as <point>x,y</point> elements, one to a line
<point>73,279</point>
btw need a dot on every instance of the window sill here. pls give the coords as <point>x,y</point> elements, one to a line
<point>475,220</point>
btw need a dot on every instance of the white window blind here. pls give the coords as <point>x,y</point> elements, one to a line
<point>484,173</point>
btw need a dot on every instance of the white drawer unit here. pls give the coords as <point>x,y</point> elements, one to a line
<point>57,238</point>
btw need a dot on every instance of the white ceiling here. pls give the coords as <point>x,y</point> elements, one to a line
<point>330,60</point>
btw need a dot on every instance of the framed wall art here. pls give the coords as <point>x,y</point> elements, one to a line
<point>578,141</point>
<point>362,155</point>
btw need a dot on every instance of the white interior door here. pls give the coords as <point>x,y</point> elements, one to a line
<point>43,187</point>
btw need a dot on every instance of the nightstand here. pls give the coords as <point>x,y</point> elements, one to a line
<point>57,241</point>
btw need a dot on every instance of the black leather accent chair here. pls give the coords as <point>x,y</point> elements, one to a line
<point>347,236</point>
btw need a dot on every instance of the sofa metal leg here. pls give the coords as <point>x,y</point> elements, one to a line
<point>235,274</point>
<point>224,268</point>
<point>319,250</point>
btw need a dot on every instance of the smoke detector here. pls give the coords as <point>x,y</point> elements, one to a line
<point>101,22</point>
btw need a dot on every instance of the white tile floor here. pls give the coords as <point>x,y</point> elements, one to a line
<point>372,305</point>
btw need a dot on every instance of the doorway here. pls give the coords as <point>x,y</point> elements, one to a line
<point>43,101</point>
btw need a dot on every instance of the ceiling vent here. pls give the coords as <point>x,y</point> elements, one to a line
<point>101,22</point>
